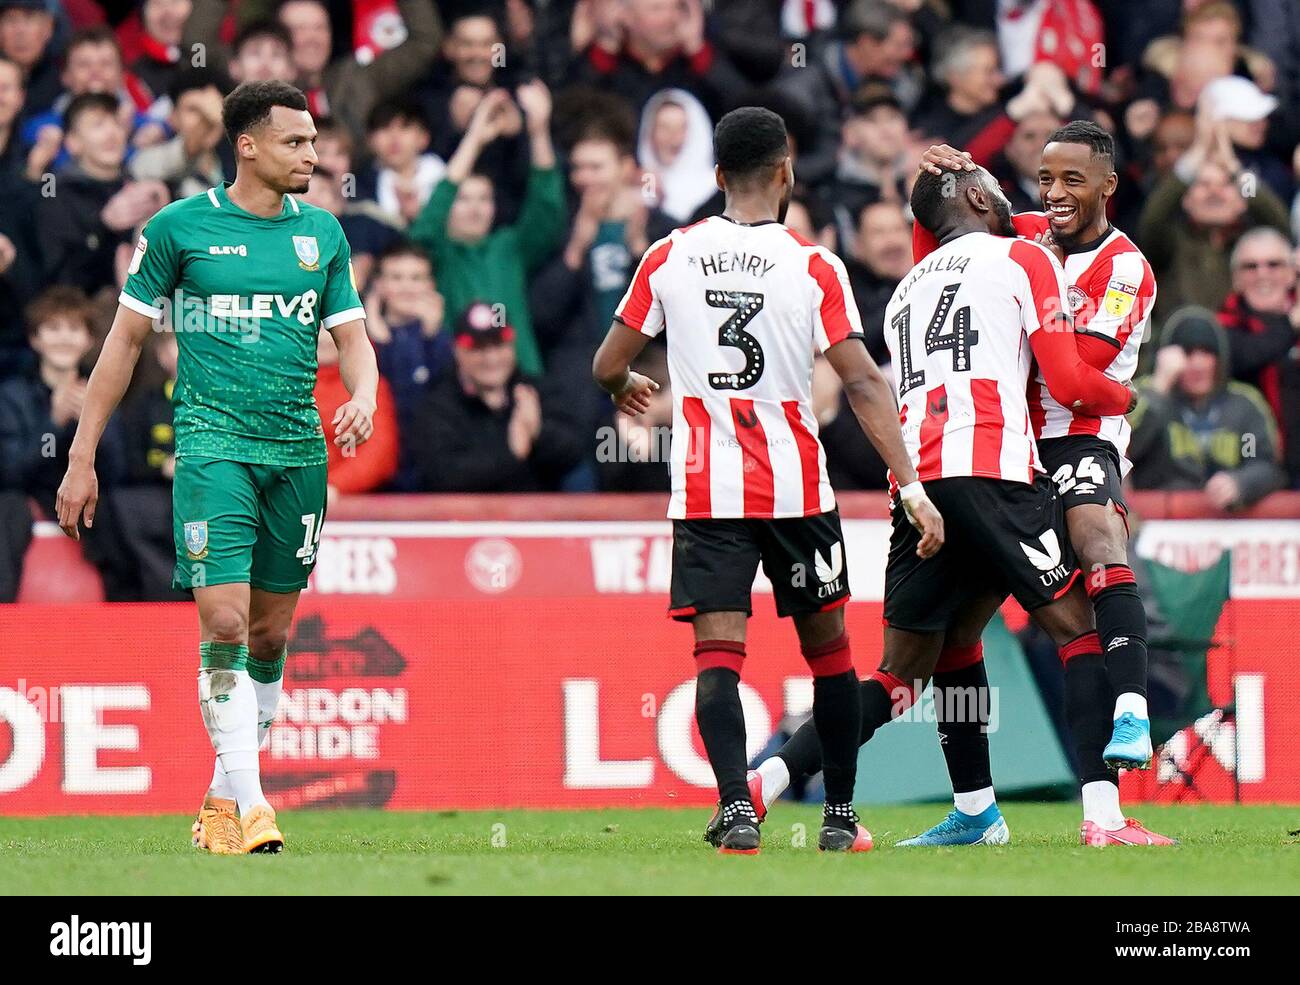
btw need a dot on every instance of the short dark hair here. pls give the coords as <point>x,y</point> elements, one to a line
<point>934,196</point>
<point>397,110</point>
<point>192,79</point>
<point>88,102</point>
<point>96,34</point>
<point>250,105</point>
<point>402,248</point>
<point>261,29</point>
<point>749,140</point>
<point>1089,134</point>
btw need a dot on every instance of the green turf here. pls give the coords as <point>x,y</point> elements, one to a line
<point>1224,850</point>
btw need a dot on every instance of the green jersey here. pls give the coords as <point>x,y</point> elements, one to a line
<point>247,297</point>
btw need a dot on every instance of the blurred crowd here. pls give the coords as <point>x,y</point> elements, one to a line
<point>500,167</point>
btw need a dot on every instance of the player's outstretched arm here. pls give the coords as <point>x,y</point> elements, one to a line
<point>611,370</point>
<point>79,491</point>
<point>872,400</point>
<point>354,421</point>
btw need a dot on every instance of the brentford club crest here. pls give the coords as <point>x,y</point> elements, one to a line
<point>1076,296</point>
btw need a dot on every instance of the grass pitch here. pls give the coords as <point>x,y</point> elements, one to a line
<point>1224,851</point>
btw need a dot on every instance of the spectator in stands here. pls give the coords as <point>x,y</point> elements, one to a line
<point>881,257</point>
<point>876,43</point>
<point>1016,167</point>
<point>675,147</point>
<point>815,223</point>
<point>1208,48</point>
<point>870,167</point>
<point>260,53</point>
<point>189,163</point>
<point>404,173</point>
<point>160,58</point>
<point>469,66</point>
<point>632,453</point>
<point>472,260</point>
<point>485,427</point>
<point>13,149</point>
<point>404,316</point>
<point>1193,217</point>
<point>1262,318</point>
<point>1245,111</point>
<point>968,114</point>
<point>347,89</point>
<point>135,516</point>
<point>26,36</point>
<point>369,230</point>
<point>1194,428</point>
<point>93,207</point>
<point>1065,33</point>
<point>39,411</point>
<point>354,468</point>
<point>637,47</point>
<point>92,63</point>
<point>20,264</point>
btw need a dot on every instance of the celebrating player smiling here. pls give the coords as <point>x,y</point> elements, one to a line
<point>248,276</point>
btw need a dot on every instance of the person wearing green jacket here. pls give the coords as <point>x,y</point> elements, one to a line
<point>475,262</point>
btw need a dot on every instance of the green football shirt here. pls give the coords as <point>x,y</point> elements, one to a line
<point>247,297</point>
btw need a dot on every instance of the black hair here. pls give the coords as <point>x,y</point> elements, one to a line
<point>96,34</point>
<point>190,79</point>
<point>402,248</point>
<point>748,141</point>
<point>261,29</point>
<point>1085,132</point>
<point>88,102</point>
<point>935,196</point>
<point>250,105</point>
<point>397,110</point>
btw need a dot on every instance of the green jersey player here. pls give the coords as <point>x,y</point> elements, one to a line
<point>246,275</point>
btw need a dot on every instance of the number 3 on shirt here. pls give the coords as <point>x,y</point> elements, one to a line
<point>959,340</point>
<point>746,305</point>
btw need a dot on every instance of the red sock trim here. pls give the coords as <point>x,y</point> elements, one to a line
<point>902,695</point>
<point>719,653</point>
<point>959,657</point>
<point>1087,643</point>
<point>830,658</point>
<point>1110,576</point>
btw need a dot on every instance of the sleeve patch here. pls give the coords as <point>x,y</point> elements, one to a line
<point>1119,297</point>
<point>141,248</point>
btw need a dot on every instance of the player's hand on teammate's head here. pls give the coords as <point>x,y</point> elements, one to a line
<point>78,495</point>
<point>941,157</point>
<point>353,423</point>
<point>634,399</point>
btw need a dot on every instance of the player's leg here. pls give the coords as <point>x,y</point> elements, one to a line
<point>1087,690</point>
<point>961,705</point>
<point>921,595</point>
<point>714,563</point>
<point>1086,472</point>
<point>291,504</point>
<point>214,519</point>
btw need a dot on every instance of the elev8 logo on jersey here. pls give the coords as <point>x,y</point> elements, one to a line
<point>234,314</point>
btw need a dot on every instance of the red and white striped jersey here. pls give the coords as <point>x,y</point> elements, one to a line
<point>746,307</point>
<point>1111,291</point>
<point>958,329</point>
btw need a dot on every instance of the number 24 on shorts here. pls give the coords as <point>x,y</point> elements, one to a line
<point>1087,476</point>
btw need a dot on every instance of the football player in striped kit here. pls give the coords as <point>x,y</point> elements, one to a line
<point>746,302</point>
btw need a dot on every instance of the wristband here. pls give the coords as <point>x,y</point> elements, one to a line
<point>910,491</point>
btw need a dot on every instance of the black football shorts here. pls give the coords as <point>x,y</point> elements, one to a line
<point>715,561</point>
<point>999,537</point>
<point>1085,469</point>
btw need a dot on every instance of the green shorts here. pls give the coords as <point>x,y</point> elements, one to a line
<point>235,522</point>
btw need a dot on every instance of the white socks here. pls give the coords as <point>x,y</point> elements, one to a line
<point>1101,805</point>
<point>267,699</point>
<point>229,707</point>
<point>975,801</point>
<point>776,777</point>
<point>1131,702</point>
